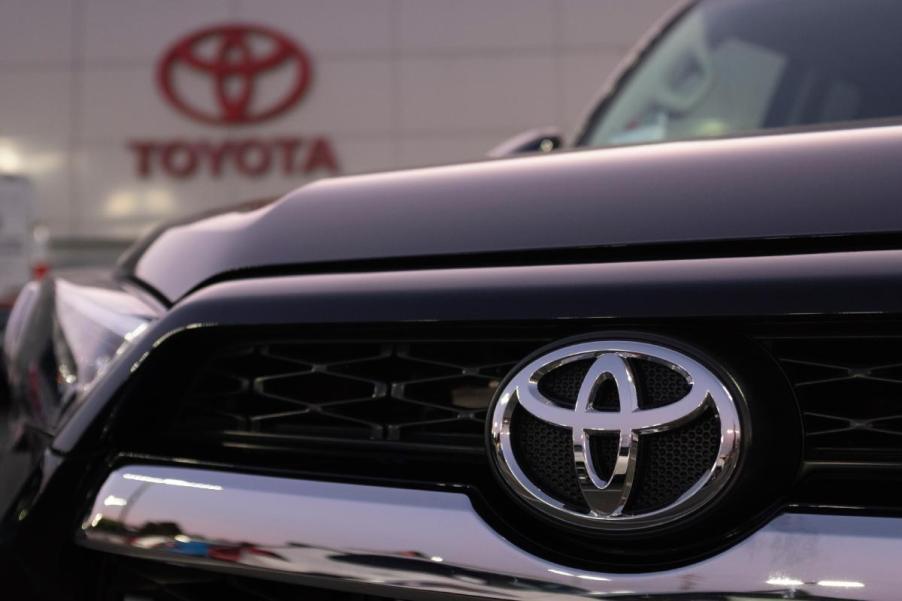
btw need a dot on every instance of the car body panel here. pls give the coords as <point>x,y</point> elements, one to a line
<point>820,284</point>
<point>682,192</point>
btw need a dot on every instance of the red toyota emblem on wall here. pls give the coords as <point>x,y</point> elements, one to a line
<point>234,58</point>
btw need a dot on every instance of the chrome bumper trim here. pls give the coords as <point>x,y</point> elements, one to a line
<point>431,541</point>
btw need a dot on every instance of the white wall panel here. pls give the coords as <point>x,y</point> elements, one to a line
<point>35,102</point>
<point>427,150</point>
<point>347,96</point>
<point>113,202</point>
<point>475,25</point>
<point>44,160</point>
<point>472,95</point>
<point>118,104</point>
<point>35,32</point>
<point>396,83</point>
<point>136,31</point>
<point>326,27</point>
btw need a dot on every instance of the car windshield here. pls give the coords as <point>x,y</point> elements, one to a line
<point>730,67</point>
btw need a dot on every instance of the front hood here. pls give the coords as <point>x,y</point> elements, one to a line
<point>778,186</point>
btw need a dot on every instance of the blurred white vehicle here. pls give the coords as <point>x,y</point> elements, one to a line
<point>19,248</point>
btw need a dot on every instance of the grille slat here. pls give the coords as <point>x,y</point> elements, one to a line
<point>850,395</point>
<point>423,392</point>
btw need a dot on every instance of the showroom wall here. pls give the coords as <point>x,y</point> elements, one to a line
<point>118,129</point>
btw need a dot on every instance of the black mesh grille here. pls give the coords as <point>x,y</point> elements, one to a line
<point>545,452</point>
<point>657,385</point>
<point>562,384</point>
<point>424,392</point>
<point>671,462</point>
<point>850,395</point>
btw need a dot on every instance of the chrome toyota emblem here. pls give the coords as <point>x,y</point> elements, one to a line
<point>602,498</point>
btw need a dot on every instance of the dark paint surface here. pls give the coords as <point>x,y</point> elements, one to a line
<point>806,285</point>
<point>811,184</point>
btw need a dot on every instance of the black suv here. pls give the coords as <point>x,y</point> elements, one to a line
<point>654,371</point>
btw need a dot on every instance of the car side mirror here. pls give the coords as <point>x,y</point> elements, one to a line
<point>543,139</point>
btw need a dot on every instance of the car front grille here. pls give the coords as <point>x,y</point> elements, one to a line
<point>435,392</point>
<point>849,391</point>
<point>409,403</point>
<point>406,406</point>
<point>423,392</point>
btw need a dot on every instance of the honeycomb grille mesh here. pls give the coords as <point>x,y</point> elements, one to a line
<point>673,461</point>
<point>545,452</point>
<point>419,392</point>
<point>656,384</point>
<point>562,384</point>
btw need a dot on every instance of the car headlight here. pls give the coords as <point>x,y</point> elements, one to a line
<point>92,326</point>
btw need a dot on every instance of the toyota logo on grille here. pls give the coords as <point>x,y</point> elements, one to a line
<point>615,434</point>
<point>233,59</point>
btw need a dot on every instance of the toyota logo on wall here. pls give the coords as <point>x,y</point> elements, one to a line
<point>215,75</point>
<point>234,74</point>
